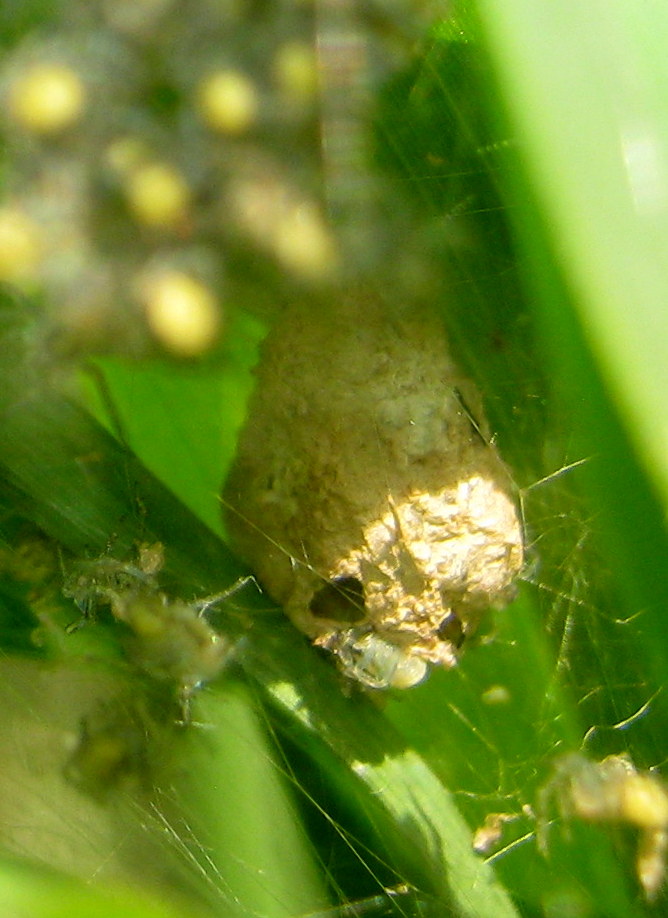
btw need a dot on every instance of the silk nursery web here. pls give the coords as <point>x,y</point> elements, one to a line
<point>331,184</point>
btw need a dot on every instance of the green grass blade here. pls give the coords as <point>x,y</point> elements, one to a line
<point>586,91</point>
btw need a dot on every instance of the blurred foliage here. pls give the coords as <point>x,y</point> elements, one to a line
<point>283,796</point>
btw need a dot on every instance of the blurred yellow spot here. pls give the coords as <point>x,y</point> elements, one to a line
<point>19,246</point>
<point>47,98</point>
<point>125,154</point>
<point>644,802</point>
<point>181,312</point>
<point>228,102</point>
<point>295,70</point>
<point>158,195</point>
<point>303,243</point>
<point>496,694</point>
<point>293,229</point>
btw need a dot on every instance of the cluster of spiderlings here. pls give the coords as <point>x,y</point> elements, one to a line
<point>164,161</point>
<point>155,150</point>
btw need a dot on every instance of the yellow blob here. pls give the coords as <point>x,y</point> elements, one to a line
<point>125,154</point>
<point>303,243</point>
<point>157,195</point>
<point>181,312</point>
<point>644,802</point>
<point>228,102</point>
<point>47,98</point>
<point>496,694</point>
<point>295,71</point>
<point>19,246</point>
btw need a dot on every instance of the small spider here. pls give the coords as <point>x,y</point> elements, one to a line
<point>92,583</point>
<point>489,834</point>
<point>613,791</point>
<point>169,639</point>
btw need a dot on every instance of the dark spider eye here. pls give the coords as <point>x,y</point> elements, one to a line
<point>341,599</point>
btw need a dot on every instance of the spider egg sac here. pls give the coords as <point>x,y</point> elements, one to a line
<point>366,494</point>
